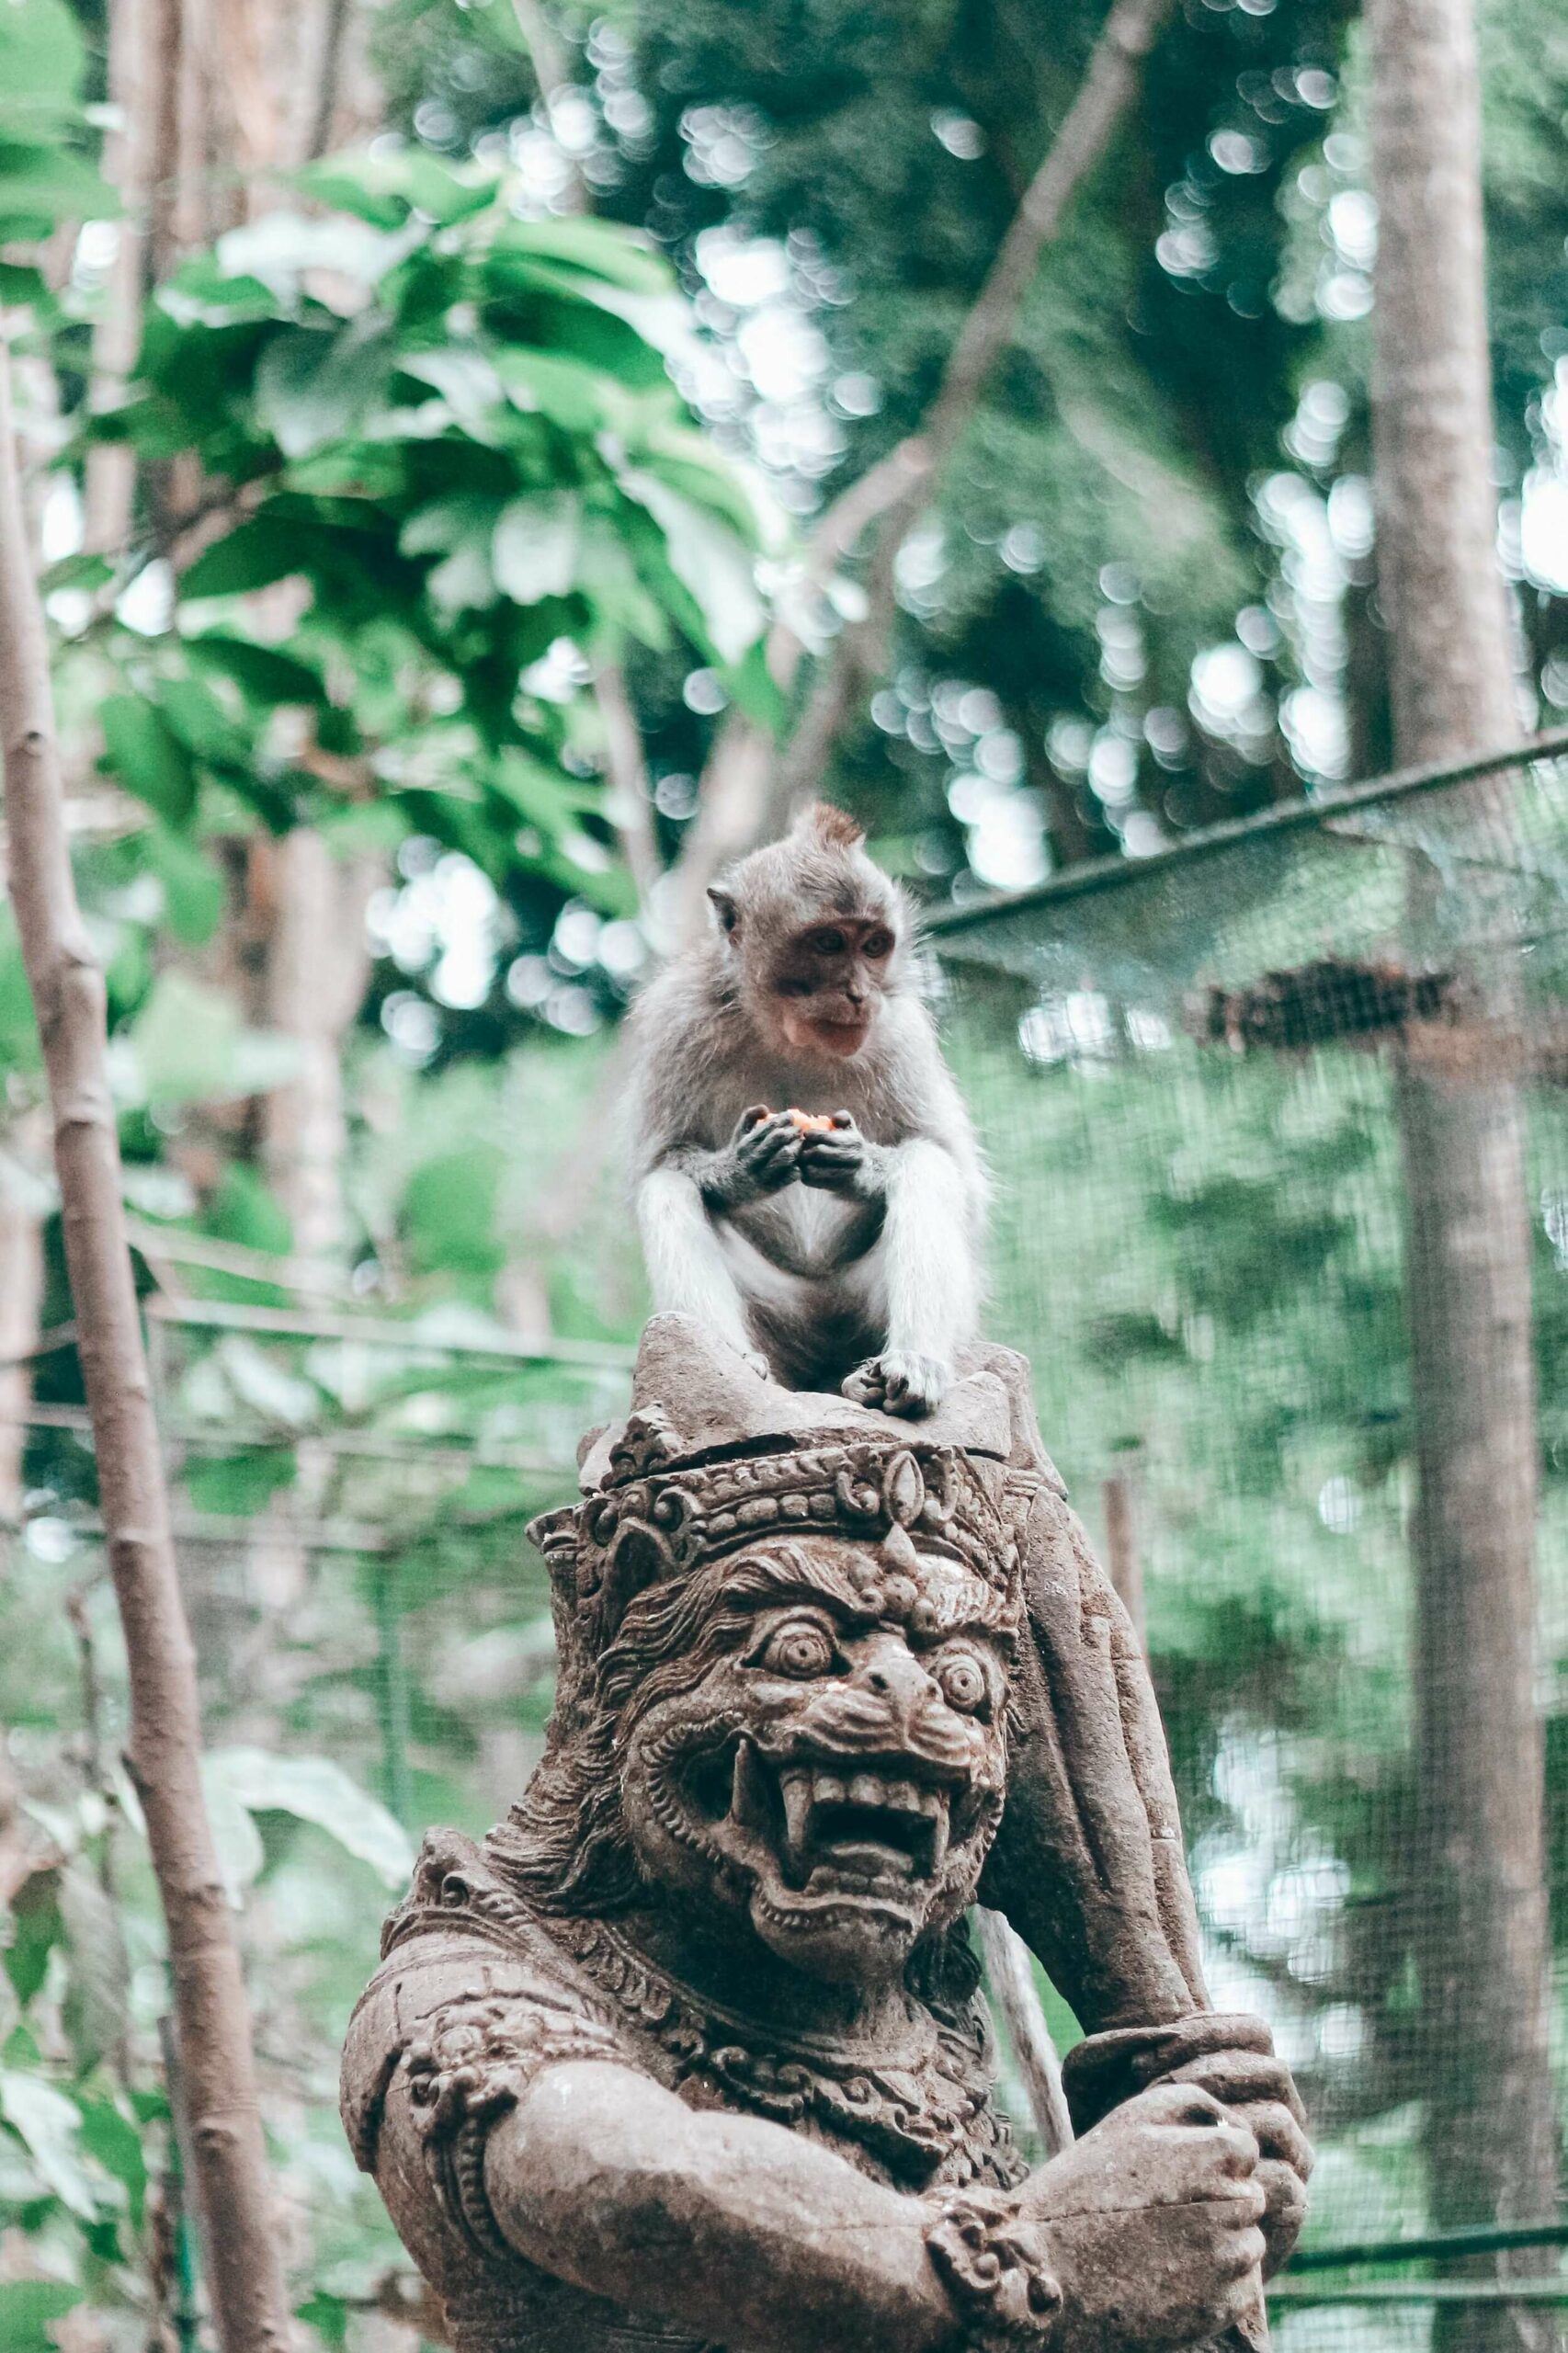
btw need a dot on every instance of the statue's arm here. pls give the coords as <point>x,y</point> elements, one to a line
<point>736,2228</point>
<point>1142,2235</point>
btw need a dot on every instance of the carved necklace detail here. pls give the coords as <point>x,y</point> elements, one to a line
<point>926,2116</point>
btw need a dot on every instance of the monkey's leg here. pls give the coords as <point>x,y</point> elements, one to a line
<point>687,1271</point>
<point>929,1274</point>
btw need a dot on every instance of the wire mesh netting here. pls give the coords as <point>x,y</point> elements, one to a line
<point>1270,1117</point>
<point>1220,1090</point>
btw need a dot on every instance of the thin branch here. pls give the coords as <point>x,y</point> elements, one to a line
<point>164,1747</point>
<point>859,652</point>
<point>333,42</point>
<point>733,798</point>
<point>548,57</point>
<point>1011,1978</point>
<point>628,765</point>
<point>111,467</point>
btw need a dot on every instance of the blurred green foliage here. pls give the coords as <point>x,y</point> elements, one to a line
<point>445,471</point>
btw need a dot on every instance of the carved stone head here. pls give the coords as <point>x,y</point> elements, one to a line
<point>830,1758</point>
<point>786,1629</point>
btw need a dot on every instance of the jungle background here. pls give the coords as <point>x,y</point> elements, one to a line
<point>457,440</point>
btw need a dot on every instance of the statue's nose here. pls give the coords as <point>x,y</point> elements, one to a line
<point>892,1672</point>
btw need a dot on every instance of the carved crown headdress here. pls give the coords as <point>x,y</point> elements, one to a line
<point>713,1456</point>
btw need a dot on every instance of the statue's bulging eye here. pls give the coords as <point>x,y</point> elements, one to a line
<point>961,1681</point>
<point>801,1648</point>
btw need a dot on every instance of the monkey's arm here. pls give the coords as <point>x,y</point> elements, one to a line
<point>933,1294</point>
<point>928,1252</point>
<point>686,1269</point>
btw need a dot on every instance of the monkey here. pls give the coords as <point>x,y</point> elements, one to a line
<point>835,1251</point>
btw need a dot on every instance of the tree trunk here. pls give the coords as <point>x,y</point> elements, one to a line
<point>1480,1879</point>
<point>128,166</point>
<point>317,964</point>
<point>21,1299</point>
<point>163,1749</point>
<point>1124,1562</point>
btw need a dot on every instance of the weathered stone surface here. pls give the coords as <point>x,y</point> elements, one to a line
<point>690,2053</point>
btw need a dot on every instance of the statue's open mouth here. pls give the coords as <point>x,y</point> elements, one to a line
<point>844,1825</point>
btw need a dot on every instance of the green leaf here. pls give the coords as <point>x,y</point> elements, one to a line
<point>534,553</point>
<point>98,1987</point>
<point>347,187</point>
<point>21,285</point>
<point>604,247</point>
<point>448,1213</point>
<point>464,527</point>
<point>111,2138</point>
<point>188,1044</point>
<point>264,675</point>
<point>20,1047</point>
<point>142,749</point>
<point>39,186</point>
<point>78,571</point>
<point>27,2308</point>
<point>240,1484</point>
<point>707,558</point>
<point>264,548</point>
<point>568,391</point>
<point>202,724</point>
<point>466,381</point>
<point>384,188</point>
<point>42,64</point>
<point>685,461</point>
<point>315,1790</point>
<point>36,1929</point>
<point>328,2316</point>
<point>49,2125</point>
<point>607,575</point>
<point>241,1854</point>
<point>193,888</point>
<point>313,388</point>
<point>751,688</point>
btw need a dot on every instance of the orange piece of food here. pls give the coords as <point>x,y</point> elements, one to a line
<point>811,1123</point>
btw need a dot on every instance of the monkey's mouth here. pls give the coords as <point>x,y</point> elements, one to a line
<point>828,1036</point>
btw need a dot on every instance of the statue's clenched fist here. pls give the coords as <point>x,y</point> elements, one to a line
<point>1152,2220</point>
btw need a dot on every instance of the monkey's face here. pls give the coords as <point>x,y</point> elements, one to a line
<point>837,1774</point>
<point>824,990</point>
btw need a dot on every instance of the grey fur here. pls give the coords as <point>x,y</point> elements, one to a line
<point>845,1260</point>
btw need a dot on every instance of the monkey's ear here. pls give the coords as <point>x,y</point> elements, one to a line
<point>836,828</point>
<point>726,910</point>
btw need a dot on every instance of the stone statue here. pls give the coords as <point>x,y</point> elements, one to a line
<point>690,2053</point>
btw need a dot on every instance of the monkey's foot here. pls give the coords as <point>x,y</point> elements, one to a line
<point>900,1383</point>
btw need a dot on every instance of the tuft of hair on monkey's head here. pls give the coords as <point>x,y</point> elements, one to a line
<point>816,934</point>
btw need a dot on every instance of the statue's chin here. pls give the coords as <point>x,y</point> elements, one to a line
<point>847,1938</point>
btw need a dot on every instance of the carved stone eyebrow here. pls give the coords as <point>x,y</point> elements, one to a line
<point>858,1588</point>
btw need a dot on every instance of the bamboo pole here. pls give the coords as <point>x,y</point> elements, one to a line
<point>223,2121</point>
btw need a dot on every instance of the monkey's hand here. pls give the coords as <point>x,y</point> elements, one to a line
<point>839,1160</point>
<point>761,1157</point>
<point>900,1383</point>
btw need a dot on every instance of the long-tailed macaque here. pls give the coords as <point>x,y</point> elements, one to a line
<point>808,1182</point>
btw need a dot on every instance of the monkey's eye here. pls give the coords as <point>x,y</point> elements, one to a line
<point>801,1647</point>
<point>877,944</point>
<point>961,1678</point>
<point>827,943</point>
